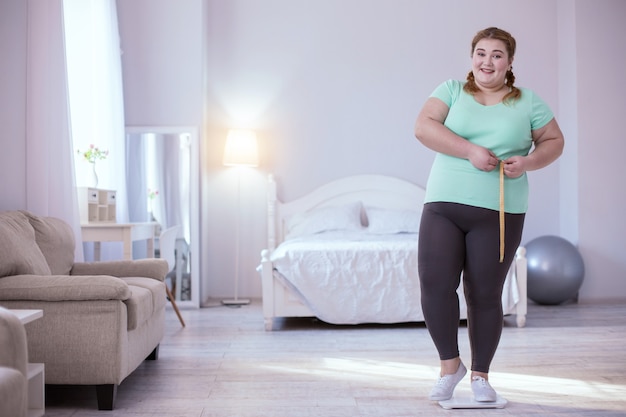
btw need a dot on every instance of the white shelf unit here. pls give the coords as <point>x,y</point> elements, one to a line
<point>96,205</point>
<point>36,390</point>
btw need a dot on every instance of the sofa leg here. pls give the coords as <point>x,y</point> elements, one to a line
<point>154,355</point>
<point>106,396</point>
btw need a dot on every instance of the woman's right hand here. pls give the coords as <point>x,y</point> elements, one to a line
<point>483,159</point>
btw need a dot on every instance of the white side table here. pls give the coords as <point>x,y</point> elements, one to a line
<point>119,232</point>
<point>36,376</point>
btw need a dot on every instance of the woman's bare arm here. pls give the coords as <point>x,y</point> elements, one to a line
<point>430,130</point>
<point>549,143</point>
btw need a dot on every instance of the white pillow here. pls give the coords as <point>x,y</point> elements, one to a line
<point>347,217</point>
<point>390,221</point>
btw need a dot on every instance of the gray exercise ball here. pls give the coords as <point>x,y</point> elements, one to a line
<point>555,270</point>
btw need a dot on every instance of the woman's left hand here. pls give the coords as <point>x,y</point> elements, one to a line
<point>514,166</point>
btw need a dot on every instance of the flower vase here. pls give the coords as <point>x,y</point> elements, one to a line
<point>94,175</point>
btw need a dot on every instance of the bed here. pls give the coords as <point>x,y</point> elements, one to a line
<point>346,253</point>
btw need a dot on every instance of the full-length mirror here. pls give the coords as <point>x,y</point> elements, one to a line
<point>162,186</point>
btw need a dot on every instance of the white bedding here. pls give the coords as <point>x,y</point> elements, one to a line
<point>353,277</point>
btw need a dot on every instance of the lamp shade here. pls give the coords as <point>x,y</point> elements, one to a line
<point>241,148</point>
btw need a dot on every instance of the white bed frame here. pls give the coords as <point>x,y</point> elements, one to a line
<point>373,190</point>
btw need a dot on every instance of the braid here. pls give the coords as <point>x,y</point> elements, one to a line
<point>509,78</point>
<point>514,93</point>
<point>470,86</point>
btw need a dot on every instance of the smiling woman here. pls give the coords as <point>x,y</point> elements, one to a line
<point>483,131</point>
<point>162,183</point>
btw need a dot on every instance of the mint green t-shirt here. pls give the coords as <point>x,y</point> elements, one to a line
<point>505,129</point>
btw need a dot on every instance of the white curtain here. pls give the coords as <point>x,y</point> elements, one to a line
<point>136,181</point>
<point>50,183</point>
<point>160,161</point>
<point>73,45</point>
<point>174,179</point>
<point>96,93</point>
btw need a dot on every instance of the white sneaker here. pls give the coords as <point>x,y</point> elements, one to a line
<point>482,390</point>
<point>444,388</point>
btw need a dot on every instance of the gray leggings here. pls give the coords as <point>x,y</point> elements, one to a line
<point>457,238</point>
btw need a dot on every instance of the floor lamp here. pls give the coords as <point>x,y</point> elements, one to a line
<point>241,150</point>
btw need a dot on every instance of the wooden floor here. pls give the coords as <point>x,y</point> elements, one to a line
<point>569,361</point>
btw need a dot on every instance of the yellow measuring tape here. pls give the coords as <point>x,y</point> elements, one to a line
<point>501,211</point>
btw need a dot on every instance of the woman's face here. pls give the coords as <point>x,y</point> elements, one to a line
<point>490,62</point>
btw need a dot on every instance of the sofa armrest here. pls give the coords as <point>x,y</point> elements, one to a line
<point>149,268</point>
<point>12,342</point>
<point>62,288</point>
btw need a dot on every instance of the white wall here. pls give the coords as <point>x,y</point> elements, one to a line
<point>334,88</point>
<point>161,42</point>
<point>601,59</point>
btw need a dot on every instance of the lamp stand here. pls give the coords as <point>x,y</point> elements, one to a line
<point>236,301</point>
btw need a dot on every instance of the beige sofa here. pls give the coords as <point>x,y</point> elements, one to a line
<point>101,320</point>
<point>13,366</point>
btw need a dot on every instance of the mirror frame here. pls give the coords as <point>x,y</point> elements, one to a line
<point>194,209</point>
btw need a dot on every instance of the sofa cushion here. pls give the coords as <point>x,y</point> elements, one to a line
<point>147,297</point>
<point>63,288</point>
<point>55,238</point>
<point>19,253</point>
<point>149,267</point>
